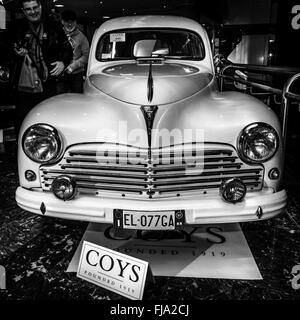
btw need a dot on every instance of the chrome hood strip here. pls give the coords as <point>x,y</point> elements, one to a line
<point>150,87</point>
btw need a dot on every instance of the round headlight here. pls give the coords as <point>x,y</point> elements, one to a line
<point>42,143</point>
<point>258,143</point>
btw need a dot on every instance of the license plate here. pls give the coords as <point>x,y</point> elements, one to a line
<point>148,220</point>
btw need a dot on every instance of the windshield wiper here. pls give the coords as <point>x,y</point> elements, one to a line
<point>117,59</point>
<point>181,57</point>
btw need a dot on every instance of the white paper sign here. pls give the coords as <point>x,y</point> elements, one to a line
<point>106,56</point>
<point>112,270</point>
<point>210,251</point>
<point>2,278</point>
<point>117,37</point>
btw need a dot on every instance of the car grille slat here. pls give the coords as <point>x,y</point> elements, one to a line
<point>128,172</point>
<point>209,173</point>
<point>206,181</point>
<point>99,173</point>
<point>106,160</point>
<point>200,187</point>
<point>105,187</point>
<point>178,168</point>
<point>187,151</point>
<point>104,167</point>
<point>107,153</point>
<point>193,185</point>
<point>192,159</point>
<point>127,181</point>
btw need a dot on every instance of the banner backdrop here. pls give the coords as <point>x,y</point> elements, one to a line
<point>210,251</point>
<point>288,33</point>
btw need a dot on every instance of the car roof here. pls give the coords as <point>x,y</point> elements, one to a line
<point>147,21</point>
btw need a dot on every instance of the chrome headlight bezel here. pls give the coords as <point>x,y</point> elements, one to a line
<point>254,128</point>
<point>51,133</point>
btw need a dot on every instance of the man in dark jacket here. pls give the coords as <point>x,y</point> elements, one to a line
<point>43,43</point>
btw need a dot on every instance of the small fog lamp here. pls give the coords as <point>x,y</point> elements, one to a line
<point>233,190</point>
<point>64,187</point>
<point>30,175</point>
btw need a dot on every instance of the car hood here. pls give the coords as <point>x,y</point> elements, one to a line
<point>142,84</point>
<point>220,117</point>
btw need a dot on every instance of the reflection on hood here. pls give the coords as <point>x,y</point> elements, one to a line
<point>171,82</point>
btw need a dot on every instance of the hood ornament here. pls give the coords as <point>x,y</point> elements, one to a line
<point>149,113</point>
<point>150,84</point>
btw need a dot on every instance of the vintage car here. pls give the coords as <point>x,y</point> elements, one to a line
<point>152,143</point>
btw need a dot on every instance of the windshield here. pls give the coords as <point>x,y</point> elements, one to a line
<point>132,44</point>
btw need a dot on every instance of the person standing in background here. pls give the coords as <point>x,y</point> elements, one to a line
<point>42,52</point>
<point>72,80</point>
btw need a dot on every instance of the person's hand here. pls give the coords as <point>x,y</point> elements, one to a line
<point>69,70</point>
<point>21,52</point>
<point>58,68</point>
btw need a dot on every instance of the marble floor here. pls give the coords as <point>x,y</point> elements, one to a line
<point>37,250</point>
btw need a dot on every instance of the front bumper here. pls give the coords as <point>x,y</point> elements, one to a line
<point>197,211</point>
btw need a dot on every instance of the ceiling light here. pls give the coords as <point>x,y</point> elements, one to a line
<point>59,5</point>
<point>106,17</point>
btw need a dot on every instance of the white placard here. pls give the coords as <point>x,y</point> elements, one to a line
<point>106,56</point>
<point>210,251</point>
<point>112,270</point>
<point>2,278</point>
<point>117,37</point>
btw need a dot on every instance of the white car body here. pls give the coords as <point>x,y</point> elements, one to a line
<point>103,118</point>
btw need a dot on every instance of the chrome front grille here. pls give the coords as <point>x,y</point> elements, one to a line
<point>131,172</point>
